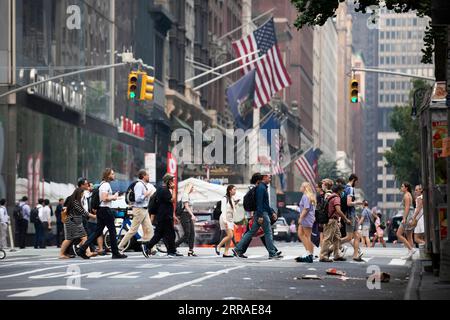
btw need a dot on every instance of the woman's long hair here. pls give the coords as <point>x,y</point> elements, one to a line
<point>76,196</point>
<point>229,188</point>
<point>408,187</point>
<point>310,193</point>
<point>188,188</point>
<point>106,174</point>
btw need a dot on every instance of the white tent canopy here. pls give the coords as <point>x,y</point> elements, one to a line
<point>205,192</point>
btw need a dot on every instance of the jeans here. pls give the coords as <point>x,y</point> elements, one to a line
<point>164,230</point>
<point>245,246</point>
<point>189,231</point>
<point>267,235</point>
<point>105,218</point>
<point>38,234</point>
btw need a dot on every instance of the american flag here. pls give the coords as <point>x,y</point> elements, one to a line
<point>307,165</point>
<point>276,166</point>
<point>271,74</point>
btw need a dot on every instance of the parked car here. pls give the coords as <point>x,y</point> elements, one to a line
<point>207,230</point>
<point>393,225</point>
<point>280,230</point>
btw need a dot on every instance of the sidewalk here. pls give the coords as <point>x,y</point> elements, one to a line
<point>424,285</point>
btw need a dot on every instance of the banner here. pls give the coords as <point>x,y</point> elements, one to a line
<point>172,168</point>
<point>150,166</point>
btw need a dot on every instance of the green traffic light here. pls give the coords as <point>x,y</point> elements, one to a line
<point>132,95</point>
<point>354,99</point>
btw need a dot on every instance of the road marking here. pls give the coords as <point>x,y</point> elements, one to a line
<point>44,269</point>
<point>164,274</point>
<point>185,284</point>
<point>397,262</point>
<point>148,266</point>
<point>288,258</point>
<point>129,275</point>
<point>38,291</point>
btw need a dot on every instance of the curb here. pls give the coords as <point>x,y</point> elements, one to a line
<point>412,290</point>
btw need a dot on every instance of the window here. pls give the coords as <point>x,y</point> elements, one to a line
<point>392,35</point>
<point>415,22</point>
<point>388,22</point>
<point>390,197</point>
<point>392,85</point>
<point>381,98</point>
<point>388,35</point>
<point>390,184</point>
<point>381,85</point>
<point>381,60</point>
<point>381,47</point>
<point>382,35</point>
<point>392,97</point>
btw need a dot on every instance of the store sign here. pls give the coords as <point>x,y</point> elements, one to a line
<point>150,166</point>
<point>56,92</point>
<point>172,168</point>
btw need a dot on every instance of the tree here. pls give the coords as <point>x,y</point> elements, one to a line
<point>404,156</point>
<point>317,12</point>
<point>328,169</point>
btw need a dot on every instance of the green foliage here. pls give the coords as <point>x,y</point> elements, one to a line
<point>317,12</point>
<point>404,155</point>
<point>328,169</point>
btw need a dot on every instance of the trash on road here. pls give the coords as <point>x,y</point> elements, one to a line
<point>335,272</point>
<point>381,276</point>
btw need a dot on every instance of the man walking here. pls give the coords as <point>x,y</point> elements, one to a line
<point>143,190</point>
<point>331,233</point>
<point>351,229</point>
<point>38,231</point>
<point>4,223</point>
<point>105,217</point>
<point>165,218</point>
<point>22,222</point>
<point>260,218</point>
<point>46,223</point>
<point>365,223</point>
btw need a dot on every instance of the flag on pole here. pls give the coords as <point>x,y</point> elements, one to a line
<point>271,74</point>
<point>307,165</point>
<point>240,99</point>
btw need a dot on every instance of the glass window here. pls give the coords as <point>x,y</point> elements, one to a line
<point>392,85</point>
<point>381,85</point>
<point>392,35</point>
<point>382,35</point>
<point>381,98</point>
<point>415,22</point>
<point>392,97</point>
<point>388,22</point>
<point>381,47</point>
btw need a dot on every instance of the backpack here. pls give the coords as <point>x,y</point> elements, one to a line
<point>17,213</point>
<point>130,197</point>
<point>322,215</point>
<point>95,198</point>
<point>217,210</point>
<point>344,207</point>
<point>153,204</point>
<point>179,209</point>
<point>34,215</point>
<point>250,200</point>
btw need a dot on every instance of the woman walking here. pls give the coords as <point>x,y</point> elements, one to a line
<point>73,227</point>
<point>307,208</point>
<point>187,219</point>
<point>405,226</point>
<point>379,232</point>
<point>226,220</point>
<point>417,220</point>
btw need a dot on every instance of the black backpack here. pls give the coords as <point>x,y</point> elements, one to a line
<point>322,216</point>
<point>34,215</point>
<point>95,198</point>
<point>344,207</point>
<point>250,200</point>
<point>18,213</point>
<point>153,204</point>
<point>130,197</point>
<point>217,210</point>
<point>179,209</point>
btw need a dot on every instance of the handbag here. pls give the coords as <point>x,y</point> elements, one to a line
<point>64,215</point>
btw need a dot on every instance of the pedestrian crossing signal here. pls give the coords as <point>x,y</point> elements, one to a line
<point>354,90</point>
<point>147,87</point>
<point>132,85</point>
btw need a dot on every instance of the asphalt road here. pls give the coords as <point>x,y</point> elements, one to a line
<point>38,274</point>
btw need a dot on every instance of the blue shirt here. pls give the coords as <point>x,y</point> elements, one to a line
<point>350,191</point>
<point>25,210</point>
<point>262,200</point>
<point>366,214</point>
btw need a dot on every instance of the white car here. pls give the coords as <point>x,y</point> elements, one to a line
<point>281,230</point>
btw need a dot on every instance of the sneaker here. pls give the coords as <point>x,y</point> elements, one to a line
<point>144,250</point>
<point>343,250</point>
<point>217,250</point>
<point>81,253</point>
<point>160,250</point>
<point>275,257</point>
<point>75,248</point>
<point>326,260</point>
<point>176,254</point>
<point>279,253</point>
<point>238,254</point>
<point>119,256</point>
<point>310,258</point>
<point>358,259</point>
<point>339,259</point>
<point>228,256</point>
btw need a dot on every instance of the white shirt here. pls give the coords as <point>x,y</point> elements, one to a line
<point>4,218</point>
<point>105,188</point>
<point>84,200</point>
<point>45,214</point>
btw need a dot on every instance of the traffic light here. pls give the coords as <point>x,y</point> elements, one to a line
<point>147,87</point>
<point>354,90</point>
<point>133,78</point>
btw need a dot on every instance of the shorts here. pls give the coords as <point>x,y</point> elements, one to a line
<point>420,228</point>
<point>365,231</point>
<point>349,228</point>
<point>224,225</point>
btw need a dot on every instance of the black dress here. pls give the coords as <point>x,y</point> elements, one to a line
<point>73,228</point>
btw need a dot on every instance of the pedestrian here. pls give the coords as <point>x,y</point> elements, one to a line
<point>187,220</point>
<point>365,223</point>
<point>417,220</point>
<point>165,218</point>
<point>92,225</point>
<point>331,232</point>
<point>307,209</point>
<point>73,226</point>
<point>59,224</point>
<point>105,217</point>
<point>46,223</point>
<point>261,218</point>
<point>255,180</point>
<point>4,223</point>
<point>38,231</point>
<point>226,220</point>
<point>48,239</point>
<point>143,190</point>
<point>405,227</point>
<point>293,231</point>
<point>22,219</point>
<point>351,229</point>
<point>379,232</point>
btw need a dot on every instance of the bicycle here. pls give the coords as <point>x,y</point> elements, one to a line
<point>123,229</point>
<point>2,254</point>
